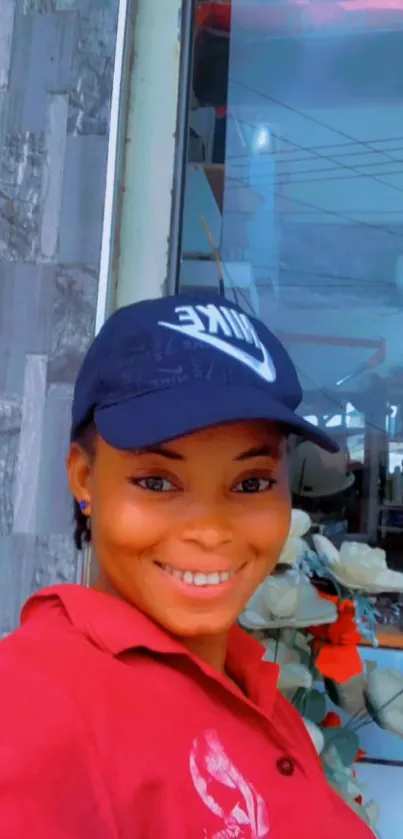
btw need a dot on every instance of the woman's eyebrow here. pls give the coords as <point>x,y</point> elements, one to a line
<point>163,451</point>
<point>272,451</point>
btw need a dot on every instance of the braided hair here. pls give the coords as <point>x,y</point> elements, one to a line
<point>82,532</point>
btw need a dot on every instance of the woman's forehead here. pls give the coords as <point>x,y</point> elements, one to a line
<point>238,441</point>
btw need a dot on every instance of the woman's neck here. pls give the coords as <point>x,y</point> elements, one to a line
<point>211,649</point>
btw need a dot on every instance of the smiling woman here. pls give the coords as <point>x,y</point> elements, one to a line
<point>188,532</point>
<point>178,468</point>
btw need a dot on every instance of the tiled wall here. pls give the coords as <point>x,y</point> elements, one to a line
<point>56,67</point>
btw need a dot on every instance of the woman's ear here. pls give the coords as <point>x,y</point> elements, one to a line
<point>79,472</point>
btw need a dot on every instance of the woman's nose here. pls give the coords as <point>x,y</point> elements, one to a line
<point>209,530</point>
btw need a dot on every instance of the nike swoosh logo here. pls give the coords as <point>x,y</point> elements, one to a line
<point>264,368</point>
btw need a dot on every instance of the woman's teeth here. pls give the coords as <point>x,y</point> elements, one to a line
<point>198,578</point>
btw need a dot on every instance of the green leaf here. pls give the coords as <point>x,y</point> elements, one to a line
<point>299,700</point>
<point>345,741</point>
<point>316,674</point>
<point>315,706</point>
<point>330,733</point>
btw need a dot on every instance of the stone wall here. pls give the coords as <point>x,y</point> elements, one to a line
<point>56,68</point>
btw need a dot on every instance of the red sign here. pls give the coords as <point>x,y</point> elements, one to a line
<point>299,16</point>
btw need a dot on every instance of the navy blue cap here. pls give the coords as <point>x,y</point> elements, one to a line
<point>162,369</point>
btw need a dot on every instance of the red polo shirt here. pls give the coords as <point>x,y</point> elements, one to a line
<point>111,729</point>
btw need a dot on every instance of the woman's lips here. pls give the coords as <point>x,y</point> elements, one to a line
<point>199,579</point>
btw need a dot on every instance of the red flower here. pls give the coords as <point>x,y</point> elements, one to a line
<point>331,720</point>
<point>336,643</point>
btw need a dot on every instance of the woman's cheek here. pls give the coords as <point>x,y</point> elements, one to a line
<point>133,527</point>
<point>268,528</point>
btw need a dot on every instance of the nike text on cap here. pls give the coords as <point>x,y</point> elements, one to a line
<point>161,369</point>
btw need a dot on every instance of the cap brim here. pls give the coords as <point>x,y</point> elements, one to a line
<point>163,415</point>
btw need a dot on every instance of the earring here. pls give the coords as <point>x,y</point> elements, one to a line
<point>83,506</point>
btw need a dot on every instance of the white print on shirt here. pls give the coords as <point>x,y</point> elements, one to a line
<point>242,811</point>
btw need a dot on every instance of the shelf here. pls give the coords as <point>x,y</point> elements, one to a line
<point>388,637</point>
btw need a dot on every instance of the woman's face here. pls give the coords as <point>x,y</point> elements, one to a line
<point>187,531</point>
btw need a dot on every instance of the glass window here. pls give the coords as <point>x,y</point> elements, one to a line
<point>294,209</point>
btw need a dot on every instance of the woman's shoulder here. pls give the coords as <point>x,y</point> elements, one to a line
<point>44,635</point>
<point>37,711</point>
<point>33,662</point>
<point>72,639</point>
<point>48,655</point>
<point>50,775</point>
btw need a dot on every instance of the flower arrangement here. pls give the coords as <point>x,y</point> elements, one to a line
<point>311,615</point>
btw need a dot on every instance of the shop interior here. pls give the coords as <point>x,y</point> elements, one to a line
<point>294,209</point>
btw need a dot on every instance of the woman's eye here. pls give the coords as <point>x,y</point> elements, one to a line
<point>154,484</point>
<point>254,485</point>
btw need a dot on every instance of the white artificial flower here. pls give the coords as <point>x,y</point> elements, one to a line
<point>384,699</point>
<point>343,781</point>
<point>301,642</point>
<point>284,601</point>
<point>342,778</point>
<point>359,567</point>
<point>350,695</point>
<point>279,652</point>
<point>371,814</point>
<point>314,610</point>
<point>333,762</point>
<point>316,735</point>
<point>273,605</point>
<point>295,547</point>
<point>293,676</point>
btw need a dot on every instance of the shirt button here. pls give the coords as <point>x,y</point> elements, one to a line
<point>285,766</point>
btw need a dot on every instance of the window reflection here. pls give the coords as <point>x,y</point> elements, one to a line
<point>294,209</point>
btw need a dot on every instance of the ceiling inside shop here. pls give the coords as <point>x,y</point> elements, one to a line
<point>316,218</point>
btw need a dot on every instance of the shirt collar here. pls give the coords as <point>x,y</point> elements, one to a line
<point>116,627</point>
<point>111,624</point>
